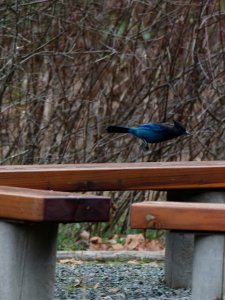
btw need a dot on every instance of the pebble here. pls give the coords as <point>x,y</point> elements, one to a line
<point>114,281</point>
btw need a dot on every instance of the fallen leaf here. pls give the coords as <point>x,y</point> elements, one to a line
<point>154,245</point>
<point>95,243</point>
<point>97,285</point>
<point>132,262</point>
<point>70,261</point>
<point>115,290</point>
<point>134,242</point>
<point>117,247</point>
<point>85,235</point>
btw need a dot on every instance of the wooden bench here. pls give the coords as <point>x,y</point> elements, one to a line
<point>183,181</point>
<point>207,220</point>
<point>28,235</point>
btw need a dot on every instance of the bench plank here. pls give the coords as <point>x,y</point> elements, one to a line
<point>117,176</point>
<point>178,216</point>
<point>40,205</point>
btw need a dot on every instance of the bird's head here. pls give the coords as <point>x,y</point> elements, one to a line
<point>182,130</point>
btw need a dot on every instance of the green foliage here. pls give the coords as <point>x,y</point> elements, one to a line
<point>68,236</point>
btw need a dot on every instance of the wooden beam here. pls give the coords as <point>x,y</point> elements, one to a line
<point>38,205</point>
<point>178,216</point>
<point>117,176</point>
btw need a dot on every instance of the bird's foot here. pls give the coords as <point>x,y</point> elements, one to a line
<point>145,146</point>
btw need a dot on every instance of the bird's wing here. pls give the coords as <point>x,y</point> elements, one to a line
<point>153,127</point>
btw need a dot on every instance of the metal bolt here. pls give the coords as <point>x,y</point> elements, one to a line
<point>149,217</point>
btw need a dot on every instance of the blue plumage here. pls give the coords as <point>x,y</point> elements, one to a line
<point>152,133</point>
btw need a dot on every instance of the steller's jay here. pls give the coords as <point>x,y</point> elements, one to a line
<point>152,133</point>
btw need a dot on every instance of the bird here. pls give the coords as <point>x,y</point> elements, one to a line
<point>153,132</point>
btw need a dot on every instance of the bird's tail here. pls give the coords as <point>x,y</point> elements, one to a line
<point>117,129</point>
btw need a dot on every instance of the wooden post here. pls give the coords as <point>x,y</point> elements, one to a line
<point>28,256</point>
<point>180,247</point>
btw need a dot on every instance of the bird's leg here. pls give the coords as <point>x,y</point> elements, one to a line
<point>144,145</point>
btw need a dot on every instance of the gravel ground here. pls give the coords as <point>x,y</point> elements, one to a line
<point>114,281</point>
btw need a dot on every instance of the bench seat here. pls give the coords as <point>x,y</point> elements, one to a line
<point>28,236</point>
<point>50,206</point>
<point>207,221</point>
<point>178,216</point>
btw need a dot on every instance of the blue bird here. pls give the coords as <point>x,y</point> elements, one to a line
<point>152,133</point>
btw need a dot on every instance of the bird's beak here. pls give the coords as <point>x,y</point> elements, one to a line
<point>187,133</point>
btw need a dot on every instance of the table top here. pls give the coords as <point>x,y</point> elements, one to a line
<point>117,176</point>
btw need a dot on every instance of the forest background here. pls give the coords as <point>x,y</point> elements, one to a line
<point>69,69</point>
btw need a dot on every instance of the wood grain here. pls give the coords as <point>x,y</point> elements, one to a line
<point>117,176</point>
<point>38,205</point>
<point>178,216</point>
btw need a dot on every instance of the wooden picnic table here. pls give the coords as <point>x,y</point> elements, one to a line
<point>29,248</point>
